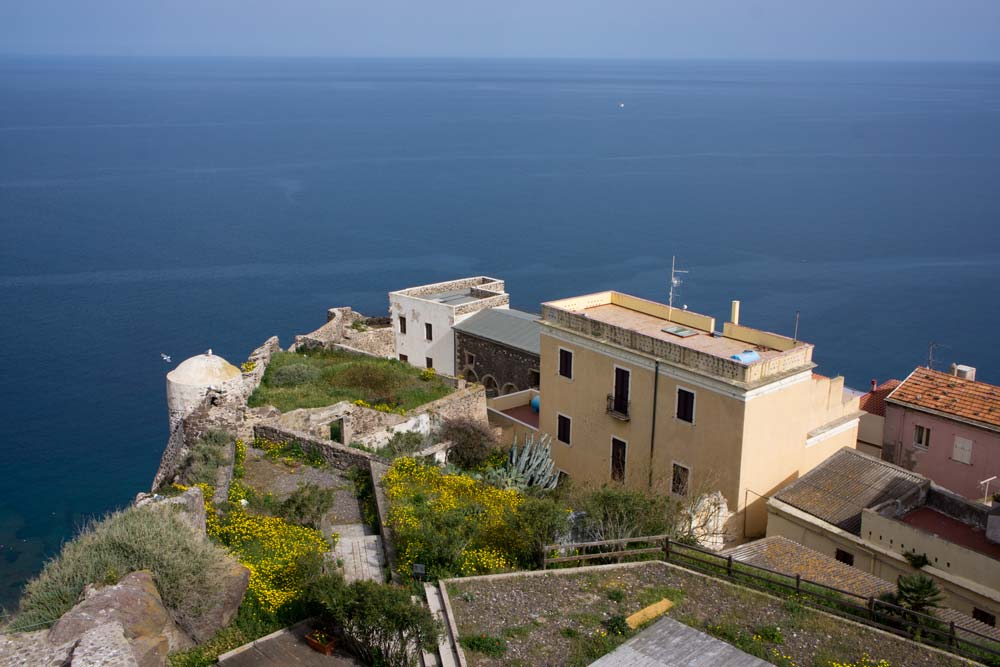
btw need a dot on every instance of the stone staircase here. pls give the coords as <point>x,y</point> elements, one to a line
<point>360,551</point>
<point>447,654</point>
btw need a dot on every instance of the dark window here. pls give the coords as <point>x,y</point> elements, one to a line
<point>403,357</point>
<point>685,405</point>
<point>617,460</point>
<point>402,324</point>
<point>984,616</point>
<point>921,437</point>
<point>565,363</point>
<point>428,331</point>
<point>622,379</point>
<point>563,429</point>
<point>535,378</point>
<point>845,557</point>
<point>430,362</point>
<point>679,485</point>
<point>470,359</point>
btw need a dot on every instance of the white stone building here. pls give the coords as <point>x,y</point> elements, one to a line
<point>422,318</point>
<point>190,382</point>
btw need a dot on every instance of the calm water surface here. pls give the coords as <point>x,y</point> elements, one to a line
<point>152,206</point>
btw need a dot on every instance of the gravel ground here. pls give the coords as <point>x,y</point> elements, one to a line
<point>281,479</point>
<point>546,618</point>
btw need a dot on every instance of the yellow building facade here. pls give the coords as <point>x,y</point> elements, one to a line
<point>635,392</point>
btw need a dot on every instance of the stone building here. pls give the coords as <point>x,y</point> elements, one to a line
<point>498,348</point>
<point>194,378</point>
<point>636,392</point>
<point>423,318</point>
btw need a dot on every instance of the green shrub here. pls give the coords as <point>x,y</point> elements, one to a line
<point>495,647</point>
<point>307,505</point>
<point>614,512</point>
<point>207,455</point>
<point>294,374</point>
<point>541,521</point>
<point>403,443</point>
<point>380,622</point>
<point>616,594</point>
<point>617,625</point>
<point>187,570</point>
<point>472,442</point>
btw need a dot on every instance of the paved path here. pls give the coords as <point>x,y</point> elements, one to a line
<point>669,643</point>
<point>285,648</point>
<point>361,552</point>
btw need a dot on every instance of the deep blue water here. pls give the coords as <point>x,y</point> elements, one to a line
<point>152,206</point>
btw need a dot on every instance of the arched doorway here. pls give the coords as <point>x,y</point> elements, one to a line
<point>491,386</point>
<point>470,376</point>
<point>508,388</point>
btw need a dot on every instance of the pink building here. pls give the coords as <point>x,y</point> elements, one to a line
<point>947,428</point>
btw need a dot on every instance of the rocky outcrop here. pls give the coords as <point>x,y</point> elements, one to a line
<point>33,648</point>
<point>220,613</point>
<point>352,331</point>
<point>108,646</point>
<point>135,604</point>
<point>189,506</point>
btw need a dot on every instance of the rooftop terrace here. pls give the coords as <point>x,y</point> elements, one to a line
<point>738,354</point>
<point>475,292</point>
<point>951,530</point>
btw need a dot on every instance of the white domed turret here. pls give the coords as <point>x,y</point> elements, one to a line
<point>188,384</point>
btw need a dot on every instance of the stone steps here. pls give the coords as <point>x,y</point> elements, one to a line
<point>362,557</point>
<point>447,650</point>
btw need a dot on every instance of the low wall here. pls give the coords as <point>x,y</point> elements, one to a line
<point>335,454</point>
<point>260,358</point>
<point>339,333</point>
<point>377,470</point>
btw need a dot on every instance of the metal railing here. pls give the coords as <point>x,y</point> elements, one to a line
<point>870,611</point>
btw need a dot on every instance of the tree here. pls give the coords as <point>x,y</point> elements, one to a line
<point>471,442</point>
<point>915,592</point>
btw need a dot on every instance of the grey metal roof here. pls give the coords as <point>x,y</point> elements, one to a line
<point>838,489</point>
<point>513,328</point>
<point>669,643</point>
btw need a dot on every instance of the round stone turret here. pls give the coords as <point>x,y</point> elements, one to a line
<point>193,378</point>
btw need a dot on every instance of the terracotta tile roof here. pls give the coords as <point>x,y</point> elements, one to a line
<point>783,555</point>
<point>966,399</point>
<point>839,488</point>
<point>874,401</point>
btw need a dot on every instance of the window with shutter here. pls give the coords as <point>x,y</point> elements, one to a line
<point>962,451</point>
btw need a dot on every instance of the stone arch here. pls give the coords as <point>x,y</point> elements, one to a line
<point>491,386</point>
<point>470,375</point>
<point>508,388</point>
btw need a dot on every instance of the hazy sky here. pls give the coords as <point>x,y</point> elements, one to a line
<point>786,29</point>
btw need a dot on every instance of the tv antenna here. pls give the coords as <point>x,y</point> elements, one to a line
<point>930,353</point>
<point>675,282</point>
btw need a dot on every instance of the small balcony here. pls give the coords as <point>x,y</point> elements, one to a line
<point>619,409</point>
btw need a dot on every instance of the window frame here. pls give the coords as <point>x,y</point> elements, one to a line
<point>925,442</point>
<point>687,481</point>
<point>624,459</point>
<point>628,389</point>
<point>954,448</point>
<point>429,362</point>
<point>470,359</point>
<point>559,368</point>
<point>405,358</point>
<point>402,325</point>
<point>428,331</point>
<point>984,616</point>
<point>569,428</point>
<point>677,404</point>
<point>844,556</point>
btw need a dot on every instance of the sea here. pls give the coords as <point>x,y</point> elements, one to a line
<point>167,206</point>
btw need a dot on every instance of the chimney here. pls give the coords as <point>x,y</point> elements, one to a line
<point>735,317</point>
<point>964,372</point>
<point>874,384</point>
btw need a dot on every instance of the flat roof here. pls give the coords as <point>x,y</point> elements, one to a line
<point>452,297</point>
<point>952,530</point>
<point>513,328</point>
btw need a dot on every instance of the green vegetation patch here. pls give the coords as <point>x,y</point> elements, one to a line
<point>187,570</point>
<point>317,378</point>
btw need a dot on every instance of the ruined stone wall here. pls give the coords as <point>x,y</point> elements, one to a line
<point>376,340</point>
<point>506,365</point>
<point>335,454</point>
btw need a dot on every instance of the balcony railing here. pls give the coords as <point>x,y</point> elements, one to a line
<point>619,409</point>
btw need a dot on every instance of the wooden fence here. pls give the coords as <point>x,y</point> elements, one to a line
<point>870,611</point>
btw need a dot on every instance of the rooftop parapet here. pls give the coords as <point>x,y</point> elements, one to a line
<point>681,337</point>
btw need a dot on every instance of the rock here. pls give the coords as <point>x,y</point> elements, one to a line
<point>135,604</point>
<point>221,613</point>
<point>107,646</point>
<point>190,506</point>
<point>33,648</point>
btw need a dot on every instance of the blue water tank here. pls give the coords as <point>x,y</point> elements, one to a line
<point>746,357</point>
<point>536,401</point>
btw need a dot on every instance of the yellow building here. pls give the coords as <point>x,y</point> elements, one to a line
<point>636,392</point>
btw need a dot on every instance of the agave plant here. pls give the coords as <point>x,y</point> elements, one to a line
<point>529,465</point>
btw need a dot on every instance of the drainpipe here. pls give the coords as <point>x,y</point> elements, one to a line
<point>652,429</point>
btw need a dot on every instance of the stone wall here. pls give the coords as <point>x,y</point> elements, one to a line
<point>260,358</point>
<point>335,454</point>
<point>377,470</point>
<point>506,365</point>
<point>376,340</point>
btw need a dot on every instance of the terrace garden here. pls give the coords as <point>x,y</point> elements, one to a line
<point>317,378</point>
<point>572,617</point>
